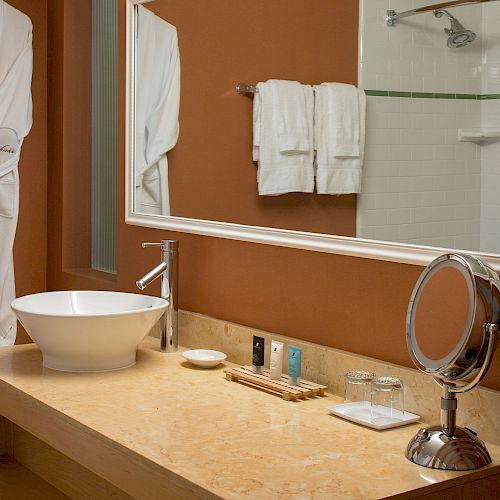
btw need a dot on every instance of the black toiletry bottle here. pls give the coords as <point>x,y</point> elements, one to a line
<point>258,354</point>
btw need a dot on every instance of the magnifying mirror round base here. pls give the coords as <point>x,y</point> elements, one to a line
<point>432,448</point>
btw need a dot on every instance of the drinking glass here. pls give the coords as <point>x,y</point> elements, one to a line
<point>357,387</point>
<point>387,400</point>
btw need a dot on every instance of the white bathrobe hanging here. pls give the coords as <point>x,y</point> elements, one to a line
<point>157,110</point>
<point>16,66</point>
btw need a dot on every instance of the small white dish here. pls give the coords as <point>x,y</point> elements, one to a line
<point>205,358</point>
<point>360,413</point>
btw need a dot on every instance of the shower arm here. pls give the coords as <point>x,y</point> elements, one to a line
<point>393,16</point>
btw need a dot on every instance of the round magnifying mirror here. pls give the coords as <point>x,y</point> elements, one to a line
<point>451,331</point>
<point>450,305</point>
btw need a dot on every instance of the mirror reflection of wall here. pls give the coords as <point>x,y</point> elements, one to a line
<point>442,313</point>
<point>421,184</point>
<point>157,95</point>
<point>212,175</point>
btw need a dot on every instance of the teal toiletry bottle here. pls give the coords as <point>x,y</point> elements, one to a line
<point>294,362</point>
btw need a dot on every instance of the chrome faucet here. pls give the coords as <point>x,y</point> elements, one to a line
<point>168,270</point>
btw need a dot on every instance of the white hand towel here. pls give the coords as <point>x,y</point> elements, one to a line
<point>339,138</point>
<point>343,109</point>
<point>295,103</point>
<point>283,137</point>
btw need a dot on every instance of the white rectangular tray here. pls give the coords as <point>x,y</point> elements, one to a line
<point>360,413</point>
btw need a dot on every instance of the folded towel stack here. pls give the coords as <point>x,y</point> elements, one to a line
<point>340,112</point>
<point>286,135</point>
<point>283,137</point>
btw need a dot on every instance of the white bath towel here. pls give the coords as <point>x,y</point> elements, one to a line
<point>283,137</point>
<point>157,110</point>
<point>340,117</point>
<point>16,66</point>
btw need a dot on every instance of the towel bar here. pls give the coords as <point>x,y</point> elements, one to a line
<point>244,89</point>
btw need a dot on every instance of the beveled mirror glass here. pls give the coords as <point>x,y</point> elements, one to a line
<point>422,191</point>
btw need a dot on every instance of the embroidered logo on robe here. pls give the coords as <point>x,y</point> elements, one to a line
<point>9,143</point>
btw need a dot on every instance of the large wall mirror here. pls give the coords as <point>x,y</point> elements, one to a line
<point>423,188</point>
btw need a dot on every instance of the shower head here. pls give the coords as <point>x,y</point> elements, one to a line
<point>458,36</point>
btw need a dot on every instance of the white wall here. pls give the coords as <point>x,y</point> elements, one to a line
<point>420,185</point>
<point>490,117</point>
<point>412,55</point>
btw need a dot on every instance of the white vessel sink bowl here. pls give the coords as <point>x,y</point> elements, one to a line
<point>87,331</point>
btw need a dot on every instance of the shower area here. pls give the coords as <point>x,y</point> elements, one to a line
<point>432,160</point>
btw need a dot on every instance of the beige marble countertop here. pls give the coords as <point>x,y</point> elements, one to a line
<point>163,424</point>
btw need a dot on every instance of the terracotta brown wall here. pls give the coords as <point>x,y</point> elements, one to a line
<point>30,249</point>
<point>69,123</point>
<point>77,140</point>
<point>354,304</point>
<point>212,175</point>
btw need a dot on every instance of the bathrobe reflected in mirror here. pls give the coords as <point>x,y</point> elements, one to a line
<point>16,66</point>
<point>156,110</point>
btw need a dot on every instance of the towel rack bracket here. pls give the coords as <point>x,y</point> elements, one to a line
<point>244,89</point>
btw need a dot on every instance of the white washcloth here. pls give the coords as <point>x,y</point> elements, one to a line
<point>340,113</point>
<point>283,137</point>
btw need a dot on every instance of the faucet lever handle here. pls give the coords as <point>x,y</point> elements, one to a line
<point>148,245</point>
<point>165,245</point>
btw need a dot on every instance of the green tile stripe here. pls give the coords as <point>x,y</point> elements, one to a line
<point>489,96</point>
<point>382,93</point>
<point>430,95</point>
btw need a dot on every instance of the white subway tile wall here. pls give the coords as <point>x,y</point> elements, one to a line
<point>420,184</point>
<point>490,114</point>
<point>412,55</point>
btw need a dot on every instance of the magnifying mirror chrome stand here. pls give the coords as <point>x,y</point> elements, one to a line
<point>448,446</point>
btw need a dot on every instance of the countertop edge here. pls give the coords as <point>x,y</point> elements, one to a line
<point>133,473</point>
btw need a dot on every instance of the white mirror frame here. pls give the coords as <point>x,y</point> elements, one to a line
<point>342,245</point>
